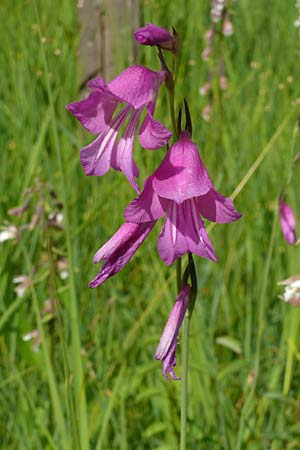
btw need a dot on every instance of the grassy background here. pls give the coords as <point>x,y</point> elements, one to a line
<point>94,383</point>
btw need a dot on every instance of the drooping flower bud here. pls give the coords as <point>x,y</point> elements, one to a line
<point>154,35</point>
<point>287,222</point>
<point>206,112</point>
<point>206,53</point>
<point>166,349</point>
<point>223,83</point>
<point>209,35</point>
<point>205,88</point>
<point>227,27</point>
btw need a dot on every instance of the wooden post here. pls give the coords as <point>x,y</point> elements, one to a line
<point>107,43</point>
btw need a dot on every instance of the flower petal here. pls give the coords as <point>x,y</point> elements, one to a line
<point>95,158</point>
<point>153,134</point>
<point>183,232</point>
<point>216,208</point>
<point>122,158</point>
<point>148,206</point>
<point>166,349</point>
<point>94,112</point>
<point>288,222</point>
<point>137,85</point>
<point>182,174</point>
<point>120,249</point>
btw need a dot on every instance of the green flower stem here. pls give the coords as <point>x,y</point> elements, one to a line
<point>184,380</point>
<point>180,281</point>
<point>185,351</point>
<point>178,275</point>
<point>172,110</point>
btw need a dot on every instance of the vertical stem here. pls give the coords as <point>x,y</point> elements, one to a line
<point>178,275</point>
<point>186,322</point>
<point>184,380</point>
<point>172,111</point>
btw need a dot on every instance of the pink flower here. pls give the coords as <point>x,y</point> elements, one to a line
<point>288,222</point>
<point>182,190</point>
<point>154,35</point>
<point>137,89</point>
<point>166,350</point>
<point>119,249</point>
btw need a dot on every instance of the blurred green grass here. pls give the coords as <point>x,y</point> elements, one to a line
<point>244,389</point>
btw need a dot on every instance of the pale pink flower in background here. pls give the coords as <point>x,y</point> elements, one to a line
<point>291,293</point>
<point>9,232</point>
<point>204,90</point>
<point>22,282</point>
<point>227,27</point>
<point>35,336</point>
<point>206,54</point>
<point>206,112</point>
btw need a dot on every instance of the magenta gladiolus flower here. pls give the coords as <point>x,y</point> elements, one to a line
<point>166,349</point>
<point>137,89</point>
<point>154,35</point>
<point>288,222</point>
<point>119,249</point>
<point>182,190</point>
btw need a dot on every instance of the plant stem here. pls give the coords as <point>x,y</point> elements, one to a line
<point>180,281</point>
<point>184,380</point>
<point>178,275</point>
<point>172,111</point>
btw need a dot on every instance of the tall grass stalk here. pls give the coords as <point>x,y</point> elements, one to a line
<point>75,355</point>
<point>53,387</point>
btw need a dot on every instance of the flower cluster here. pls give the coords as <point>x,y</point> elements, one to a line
<point>180,189</point>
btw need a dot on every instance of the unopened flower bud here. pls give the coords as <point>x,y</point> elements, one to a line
<point>48,307</point>
<point>166,349</point>
<point>223,83</point>
<point>18,211</point>
<point>154,35</point>
<point>209,35</point>
<point>205,88</point>
<point>228,27</point>
<point>36,216</point>
<point>206,53</point>
<point>206,112</point>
